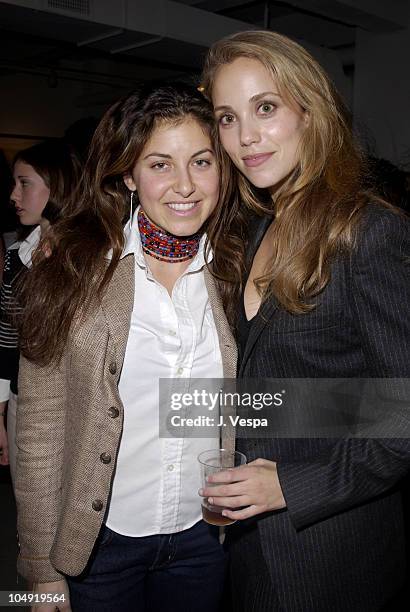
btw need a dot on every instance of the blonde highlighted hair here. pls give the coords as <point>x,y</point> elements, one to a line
<point>318,205</point>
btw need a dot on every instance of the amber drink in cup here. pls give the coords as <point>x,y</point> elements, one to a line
<point>210,462</point>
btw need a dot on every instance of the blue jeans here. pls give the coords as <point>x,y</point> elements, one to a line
<point>181,572</point>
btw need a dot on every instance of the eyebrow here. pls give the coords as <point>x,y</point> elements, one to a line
<point>254,98</point>
<point>165,156</point>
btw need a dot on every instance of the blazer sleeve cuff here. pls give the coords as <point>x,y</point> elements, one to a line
<point>302,488</point>
<point>37,569</point>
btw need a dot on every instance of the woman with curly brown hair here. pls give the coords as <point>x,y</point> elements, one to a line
<point>108,512</point>
<point>321,276</point>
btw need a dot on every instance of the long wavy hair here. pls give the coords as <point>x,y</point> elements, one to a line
<point>73,270</point>
<point>317,207</point>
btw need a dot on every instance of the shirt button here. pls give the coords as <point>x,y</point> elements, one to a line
<point>180,371</point>
<point>172,332</point>
<point>170,468</point>
<point>113,412</point>
<point>112,367</point>
<point>105,458</point>
<point>97,505</point>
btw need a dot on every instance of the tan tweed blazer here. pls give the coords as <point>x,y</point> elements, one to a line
<point>69,426</point>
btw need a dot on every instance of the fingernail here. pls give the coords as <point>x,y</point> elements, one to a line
<point>200,492</point>
<point>210,500</point>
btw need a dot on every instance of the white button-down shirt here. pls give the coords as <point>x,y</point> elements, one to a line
<point>155,489</point>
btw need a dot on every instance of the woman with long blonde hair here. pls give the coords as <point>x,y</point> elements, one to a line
<point>321,276</point>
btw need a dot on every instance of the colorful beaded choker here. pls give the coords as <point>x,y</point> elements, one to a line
<point>165,246</point>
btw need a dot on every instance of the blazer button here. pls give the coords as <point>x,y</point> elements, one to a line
<point>113,412</point>
<point>97,505</point>
<point>105,458</point>
<point>113,367</point>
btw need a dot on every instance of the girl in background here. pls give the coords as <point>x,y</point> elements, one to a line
<point>45,176</point>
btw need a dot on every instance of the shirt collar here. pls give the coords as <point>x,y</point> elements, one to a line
<point>29,245</point>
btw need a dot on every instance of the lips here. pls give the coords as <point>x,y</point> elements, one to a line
<point>252,161</point>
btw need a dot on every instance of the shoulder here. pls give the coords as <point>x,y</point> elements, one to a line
<point>382,235</point>
<point>382,246</point>
<point>380,224</point>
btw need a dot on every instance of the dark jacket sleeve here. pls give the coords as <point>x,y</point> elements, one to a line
<point>358,470</point>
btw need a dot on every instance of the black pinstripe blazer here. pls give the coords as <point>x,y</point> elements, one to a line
<point>339,546</point>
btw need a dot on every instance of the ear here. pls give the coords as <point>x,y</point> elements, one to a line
<point>306,118</point>
<point>129,182</point>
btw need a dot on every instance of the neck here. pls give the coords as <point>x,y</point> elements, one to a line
<point>44,225</point>
<point>165,273</point>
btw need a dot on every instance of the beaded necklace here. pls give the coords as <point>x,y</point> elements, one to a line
<point>165,246</point>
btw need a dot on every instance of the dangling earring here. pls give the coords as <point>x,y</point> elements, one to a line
<point>131,199</point>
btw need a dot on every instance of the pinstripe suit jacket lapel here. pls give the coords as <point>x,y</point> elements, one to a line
<point>268,308</point>
<point>263,317</point>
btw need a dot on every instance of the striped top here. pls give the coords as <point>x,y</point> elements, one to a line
<point>9,352</point>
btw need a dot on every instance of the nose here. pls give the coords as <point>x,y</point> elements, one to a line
<point>184,184</point>
<point>249,133</point>
<point>15,194</point>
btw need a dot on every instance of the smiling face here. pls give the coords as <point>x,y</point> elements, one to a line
<point>30,193</point>
<point>177,177</point>
<point>259,130</point>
